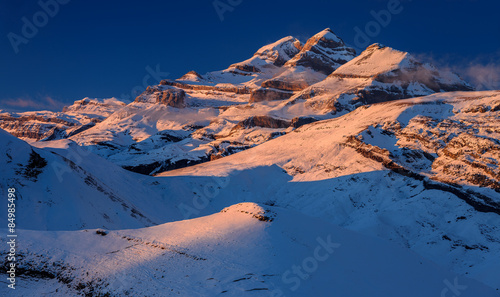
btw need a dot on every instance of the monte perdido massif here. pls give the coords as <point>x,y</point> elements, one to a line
<point>308,169</point>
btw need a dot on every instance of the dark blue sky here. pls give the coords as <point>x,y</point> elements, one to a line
<point>102,48</point>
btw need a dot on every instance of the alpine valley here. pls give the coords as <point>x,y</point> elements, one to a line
<point>306,170</point>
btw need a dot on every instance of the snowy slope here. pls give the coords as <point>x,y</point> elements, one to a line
<point>68,188</point>
<point>244,250</point>
<point>438,213</point>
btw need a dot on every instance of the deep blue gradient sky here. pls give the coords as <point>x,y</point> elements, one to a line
<point>101,48</point>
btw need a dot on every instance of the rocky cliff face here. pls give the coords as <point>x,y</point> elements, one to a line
<point>269,94</point>
<point>447,143</point>
<point>173,97</point>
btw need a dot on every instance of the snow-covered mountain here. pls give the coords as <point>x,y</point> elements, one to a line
<point>395,159</point>
<point>199,118</point>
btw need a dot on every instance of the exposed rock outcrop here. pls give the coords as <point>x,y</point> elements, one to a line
<point>172,97</point>
<point>301,121</point>
<point>269,94</point>
<point>261,121</point>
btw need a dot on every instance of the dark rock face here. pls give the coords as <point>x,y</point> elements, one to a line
<point>181,85</point>
<point>160,166</point>
<point>172,97</point>
<point>301,121</point>
<point>261,121</point>
<point>283,85</point>
<point>34,126</point>
<point>62,133</point>
<point>246,68</point>
<point>267,94</point>
<point>34,166</point>
<point>290,52</point>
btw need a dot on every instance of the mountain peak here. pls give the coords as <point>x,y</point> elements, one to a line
<point>375,59</point>
<point>191,76</point>
<point>323,52</point>
<point>280,51</point>
<point>375,46</point>
<point>327,34</point>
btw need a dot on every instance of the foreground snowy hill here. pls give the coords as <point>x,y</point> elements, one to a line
<point>245,250</point>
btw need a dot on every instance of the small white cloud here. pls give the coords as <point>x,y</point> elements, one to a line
<point>484,77</point>
<point>483,72</point>
<point>45,103</point>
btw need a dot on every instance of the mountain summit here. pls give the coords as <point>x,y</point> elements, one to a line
<point>324,52</point>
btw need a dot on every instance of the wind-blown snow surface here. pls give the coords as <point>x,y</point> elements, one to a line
<point>245,250</point>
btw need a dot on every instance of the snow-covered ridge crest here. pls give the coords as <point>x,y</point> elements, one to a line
<point>280,51</point>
